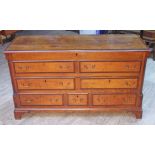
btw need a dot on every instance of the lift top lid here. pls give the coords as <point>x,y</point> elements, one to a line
<point>77,42</point>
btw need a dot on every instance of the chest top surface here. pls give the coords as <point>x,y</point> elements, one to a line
<point>77,42</point>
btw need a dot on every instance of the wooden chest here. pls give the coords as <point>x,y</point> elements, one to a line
<point>85,73</point>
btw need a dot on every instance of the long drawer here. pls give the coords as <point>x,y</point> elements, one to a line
<point>41,100</point>
<point>53,83</point>
<point>99,83</point>
<point>116,99</point>
<point>43,67</point>
<point>109,66</point>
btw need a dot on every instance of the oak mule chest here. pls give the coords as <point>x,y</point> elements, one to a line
<point>77,73</point>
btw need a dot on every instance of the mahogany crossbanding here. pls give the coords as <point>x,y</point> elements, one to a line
<point>108,83</point>
<point>41,100</point>
<point>119,99</point>
<point>43,67</point>
<point>45,83</point>
<point>109,67</point>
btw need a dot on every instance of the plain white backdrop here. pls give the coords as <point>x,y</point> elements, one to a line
<point>77,15</point>
<point>77,140</point>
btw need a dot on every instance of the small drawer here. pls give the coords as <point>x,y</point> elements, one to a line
<point>43,67</point>
<point>99,83</point>
<point>41,100</point>
<point>77,99</point>
<point>109,67</point>
<point>52,83</point>
<point>121,99</point>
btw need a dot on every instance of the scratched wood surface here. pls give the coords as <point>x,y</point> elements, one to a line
<point>85,42</point>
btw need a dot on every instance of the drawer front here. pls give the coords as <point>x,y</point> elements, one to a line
<point>77,99</point>
<point>42,67</point>
<point>109,67</point>
<point>123,99</point>
<point>41,100</point>
<point>45,83</point>
<point>108,83</point>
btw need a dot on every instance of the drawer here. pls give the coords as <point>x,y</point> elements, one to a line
<point>77,99</point>
<point>52,83</point>
<point>121,99</point>
<point>42,67</point>
<point>109,67</point>
<point>100,83</point>
<point>41,100</point>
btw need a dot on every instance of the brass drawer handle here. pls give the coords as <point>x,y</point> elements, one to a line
<point>29,101</point>
<point>26,86</point>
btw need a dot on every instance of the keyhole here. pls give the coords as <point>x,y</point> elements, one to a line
<point>127,83</point>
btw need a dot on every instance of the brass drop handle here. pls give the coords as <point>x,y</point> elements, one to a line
<point>29,101</point>
<point>20,67</point>
<point>127,66</point>
<point>26,86</point>
<point>93,66</point>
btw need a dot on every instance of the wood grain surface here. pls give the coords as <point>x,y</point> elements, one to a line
<point>77,42</point>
